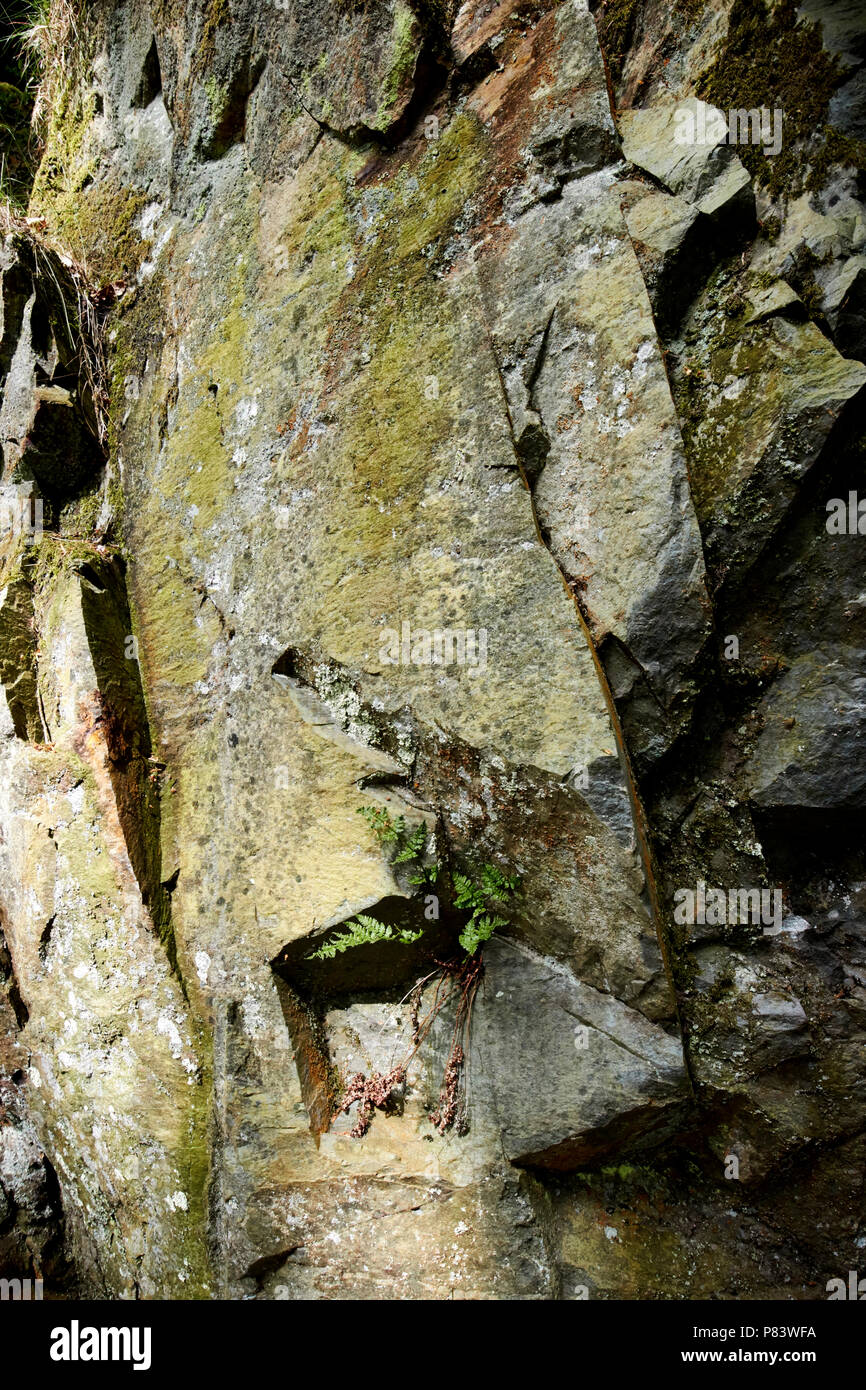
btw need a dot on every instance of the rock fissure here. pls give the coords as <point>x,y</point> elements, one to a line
<point>412,316</point>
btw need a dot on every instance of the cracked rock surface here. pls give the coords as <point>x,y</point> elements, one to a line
<point>335,327</point>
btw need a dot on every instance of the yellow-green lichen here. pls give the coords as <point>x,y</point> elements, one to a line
<point>405,46</point>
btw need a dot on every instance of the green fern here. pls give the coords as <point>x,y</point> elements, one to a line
<point>495,886</point>
<point>386,830</point>
<point>475,897</point>
<point>364,931</point>
<point>409,846</point>
<point>427,874</point>
<point>414,846</point>
<point>479,929</point>
<point>468,894</point>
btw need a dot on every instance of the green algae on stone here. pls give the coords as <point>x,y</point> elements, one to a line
<point>405,47</point>
<point>96,221</point>
<point>67,162</point>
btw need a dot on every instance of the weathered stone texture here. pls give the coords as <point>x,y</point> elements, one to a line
<point>417,313</point>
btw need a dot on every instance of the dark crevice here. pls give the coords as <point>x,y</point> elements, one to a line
<point>532,444</point>
<point>383,967</point>
<point>431,80</point>
<point>124,722</point>
<point>384,972</point>
<point>808,842</point>
<point>8,978</point>
<point>16,288</point>
<point>229,126</point>
<point>90,577</point>
<point>150,82</point>
<point>45,938</point>
<point>755,551</point>
<point>429,83</point>
<point>260,1270</point>
<point>288,664</point>
<point>401,786</point>
<point>19,1008</point>
<point>639,818</point>
<point>58,430</point>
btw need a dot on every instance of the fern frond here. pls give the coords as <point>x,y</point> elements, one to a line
<point>427,874</point>
<point>414,846</point>
<point>479,929</point>
<point>467,893</point>
<point>363,931</point>
<point>386,830</point>
<point>495,884</point>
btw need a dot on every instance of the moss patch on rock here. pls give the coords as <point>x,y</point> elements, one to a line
<point>773,59</point>
<point>616,22</point>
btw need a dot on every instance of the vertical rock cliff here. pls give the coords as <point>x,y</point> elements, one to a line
<point>401,415</point>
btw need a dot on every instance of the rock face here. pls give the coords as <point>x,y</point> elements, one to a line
<point>398,417</point>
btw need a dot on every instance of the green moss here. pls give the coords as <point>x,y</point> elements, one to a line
<point>196,476</point>
<point>78,518</point>
<point>806,284</point>
<point>181,1106</point>
<point>616,20</point>
<point>64,167</point>
<point>773,59</point>
<point>410,337</point>
<point>837,149</point>
<point>197,465</point>
<point>18,661</point>
<point>345,278</point>
<point>691,9</point>
<point>135,334</point>
<point>52,557</point>
<point>114,492</point>
<point>217,96</point>
<point>218,16</point>
<point>406,44</point>
<point>95,221</point>
<point>717,1016</point>
<point>620,1184</point>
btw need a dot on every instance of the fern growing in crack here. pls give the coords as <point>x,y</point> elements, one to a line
<point>386,830</point>
<point>428,873</point>
<point>478,897</point>
<point>456,978</point>
<point>414,846</point>
<point>363,931</point>
<point>479,929</point>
